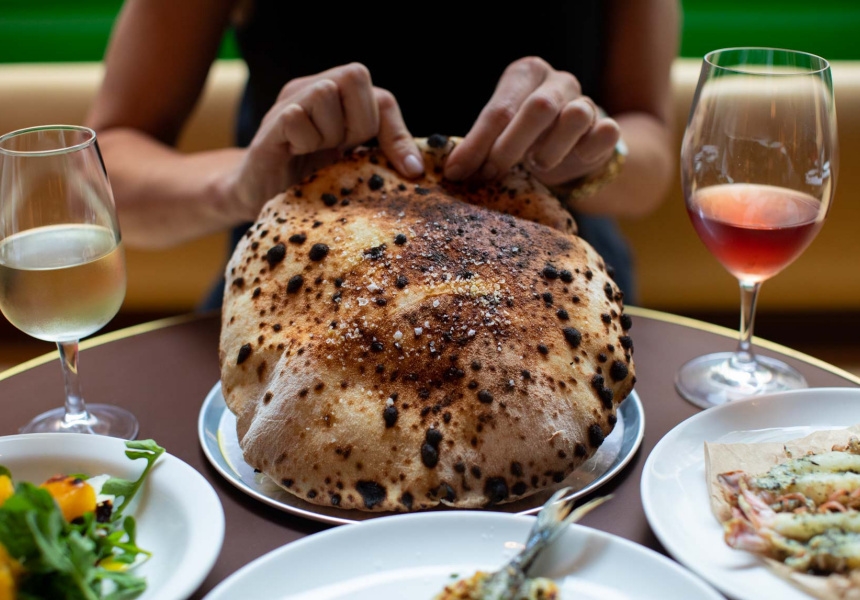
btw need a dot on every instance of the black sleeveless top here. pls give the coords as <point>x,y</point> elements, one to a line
<point>441,62</point>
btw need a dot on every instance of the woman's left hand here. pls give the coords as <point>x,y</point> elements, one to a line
<point>537,115</point>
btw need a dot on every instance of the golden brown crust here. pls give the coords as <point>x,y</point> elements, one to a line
<point>387,346</point>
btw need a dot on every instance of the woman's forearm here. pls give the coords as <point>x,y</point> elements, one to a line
<point>165,197</point>
<point>647,173</point>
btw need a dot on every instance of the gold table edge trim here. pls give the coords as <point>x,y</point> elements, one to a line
<point>726,332</point>
<point>632,310</point>
<point>113,336</point>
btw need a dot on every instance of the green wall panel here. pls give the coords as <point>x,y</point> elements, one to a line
<point>78,30</point>
<point>829,28</point>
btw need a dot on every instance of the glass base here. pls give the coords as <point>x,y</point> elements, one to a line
<point>713,379</point>
<point>103,419</point>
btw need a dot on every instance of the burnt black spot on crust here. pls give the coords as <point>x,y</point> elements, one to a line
<point>375,182</point>
<point>375,253</point>
<point>295,284</point>
<point>496,490</point>
<point>298,238</point>
<point>618,371</point>
<point>400,239</point>
<point>607,289</point>
<point>542,348</point>
<point>519,488</point>
<point>401,282</point>
<point>485,397</point>
<point>430,448</point>
<point>595,435</point>
<point>329,199</point>
<point>437,141</point>
<point>407,500</point>
<point>626,322</point>
<point>626,342</point>
<point>318,252</point>
<point>550,272</point>
<point>565,275</point>
<point>433,437</point>
<point>572,336</point>
<point>276,254</point>
<point>389,415</point>
<point>239,282</point>
<point>429,456</point>
<point>371,492</point>
<point>606,396</point>
<point>562,314</point>
<point>604,393</point>
<point>244,353</point>
<point>335,499</point>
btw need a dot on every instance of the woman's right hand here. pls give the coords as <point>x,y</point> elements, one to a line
<point>314,120</point>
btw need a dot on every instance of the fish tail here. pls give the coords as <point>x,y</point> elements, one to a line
<point>552,521</point>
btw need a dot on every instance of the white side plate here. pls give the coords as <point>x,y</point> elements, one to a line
<point>674,491</point>
<point>179,516</point>
<point>412,557</point>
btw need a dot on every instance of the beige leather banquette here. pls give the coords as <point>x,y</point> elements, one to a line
<point>675,271</point>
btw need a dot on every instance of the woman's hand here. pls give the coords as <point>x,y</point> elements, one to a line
<point>538,116</point>
<point>315,119</point>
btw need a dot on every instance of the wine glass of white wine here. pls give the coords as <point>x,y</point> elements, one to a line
<point>62,267</point>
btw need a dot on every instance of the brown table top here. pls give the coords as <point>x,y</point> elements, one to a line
<point>163,370</point>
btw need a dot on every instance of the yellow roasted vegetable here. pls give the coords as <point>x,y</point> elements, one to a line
<point>74,496</point>
<point>10,571</point>
<point>6,488</point>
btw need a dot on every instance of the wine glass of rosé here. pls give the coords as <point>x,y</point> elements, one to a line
<point>758,169</point>
<point>62,267</point>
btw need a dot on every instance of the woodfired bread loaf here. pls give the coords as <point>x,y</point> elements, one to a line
<point>390,345</point>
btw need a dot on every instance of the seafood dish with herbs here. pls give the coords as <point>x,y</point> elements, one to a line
<point>804,512</point>
<point>512,582</point>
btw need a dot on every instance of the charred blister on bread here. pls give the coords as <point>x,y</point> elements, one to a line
<point>426,343</point>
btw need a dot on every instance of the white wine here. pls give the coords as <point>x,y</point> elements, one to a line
<point>62,282</point>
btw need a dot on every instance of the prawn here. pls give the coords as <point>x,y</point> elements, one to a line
<point>795,514</point>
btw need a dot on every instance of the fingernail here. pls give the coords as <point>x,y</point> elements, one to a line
<point>413,165</point>
<point>455,173</point>
<point>489,171</point>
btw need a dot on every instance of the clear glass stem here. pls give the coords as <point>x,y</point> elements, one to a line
<point>743,358</point>
<point>76,419</point>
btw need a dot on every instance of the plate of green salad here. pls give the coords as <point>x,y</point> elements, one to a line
<point>98,518</point>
